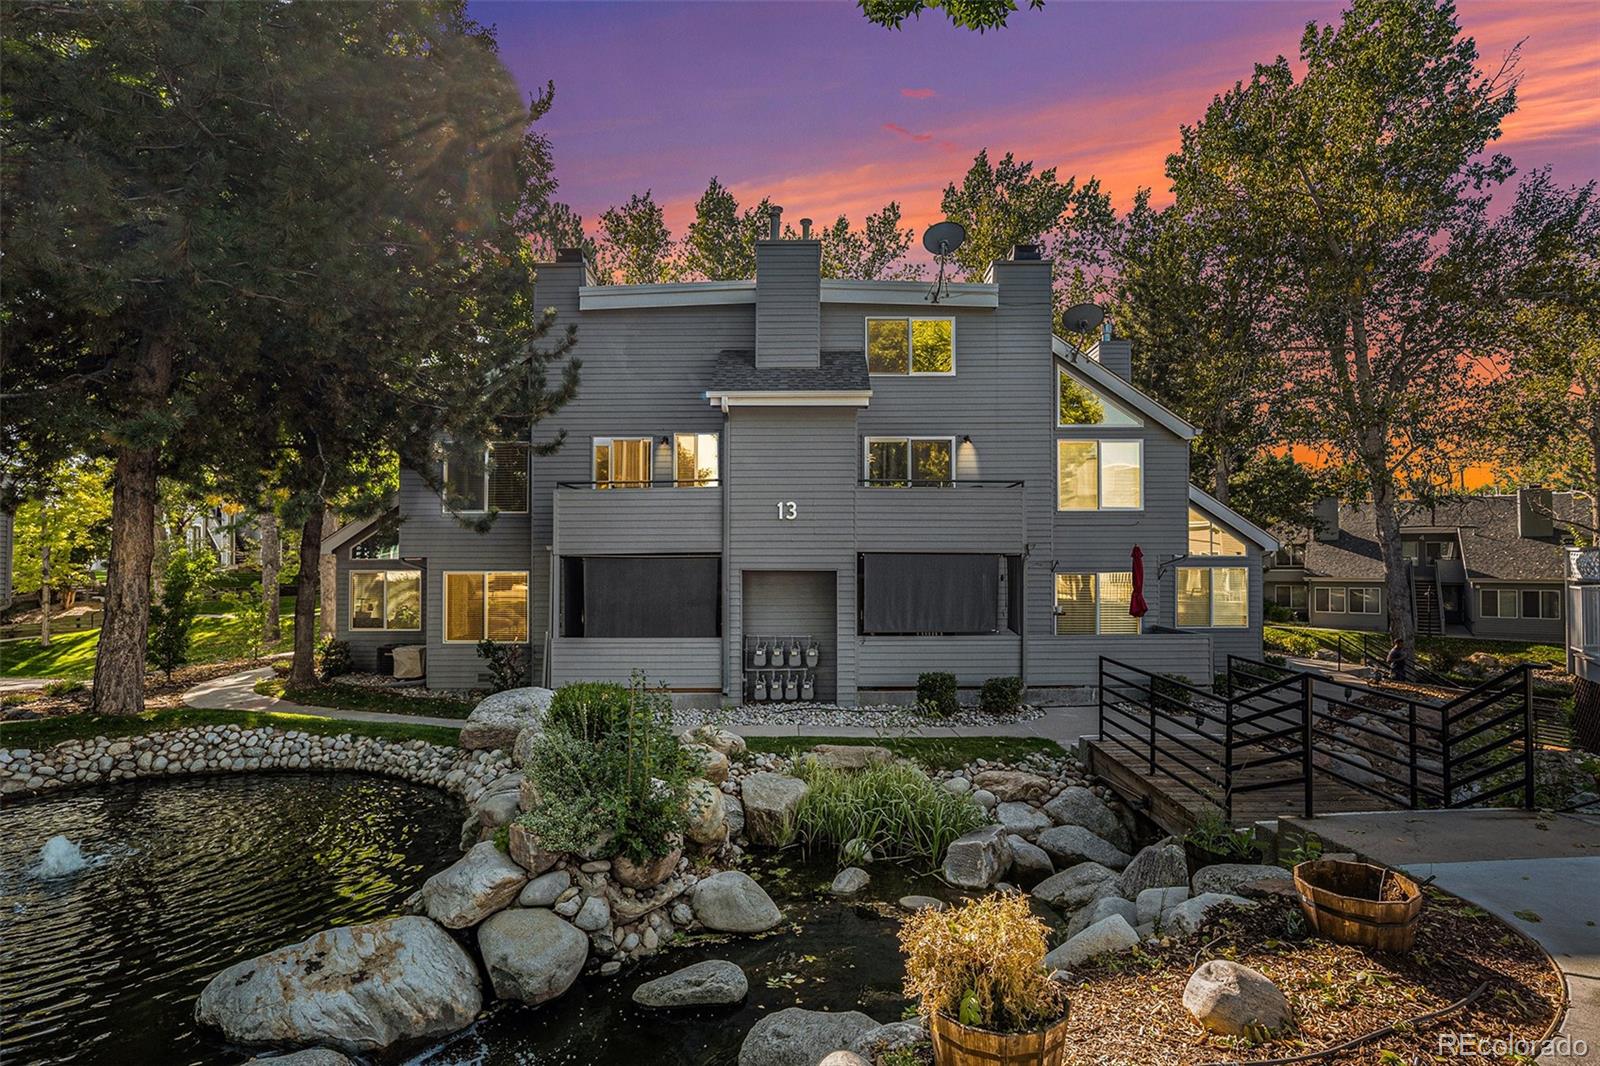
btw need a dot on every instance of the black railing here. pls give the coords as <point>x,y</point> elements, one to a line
<point>935,483</point>
<point>698,483</point>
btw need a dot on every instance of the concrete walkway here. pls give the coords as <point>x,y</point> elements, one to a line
<point>237,692</point>
<point>1537,872</point>
<point>25,684</point>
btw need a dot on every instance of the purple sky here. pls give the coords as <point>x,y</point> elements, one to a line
<point>826,113</point>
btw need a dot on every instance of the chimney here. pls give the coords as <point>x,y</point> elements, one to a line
<point>1535,514</point>
<point>1113,353</point>
<point>774,222</point>
<point>805,229</point>
<point>1028,252</point>
<point>788,299</point>
<point>1326,513</point>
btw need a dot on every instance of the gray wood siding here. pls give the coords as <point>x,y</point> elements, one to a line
<point>364,643</point>
<point>640,521</point>
<point>786,603</point>
<point>963,518</point>
<point>893,663</point>
<point>788,303</point>
<point>682,664</point>
<point>1076,660</point>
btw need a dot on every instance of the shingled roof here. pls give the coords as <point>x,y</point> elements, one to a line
<point>838,371</point>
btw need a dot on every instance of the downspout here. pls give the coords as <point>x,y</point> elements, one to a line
<point>725,458</point>
<point>551,620</point>
<point>1022,598</point>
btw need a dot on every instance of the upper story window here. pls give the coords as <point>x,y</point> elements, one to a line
<point>622,462</point>
<point>911,346</point>
<point>384,544</point>
<point>1213,597</point>
<point>385,599</point>
<point>696,459</point>
<point>1099,475</point>
<point>1428,549</point>
<point>1288,555</point>
<point>1095,603</point>
<point>497,482</point>
<point>1206,537</point>
<point>901,461</point>
<point>1079,405</point>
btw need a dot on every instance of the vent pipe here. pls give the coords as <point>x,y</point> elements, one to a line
<point>774,222</point>
<point>805,229</point>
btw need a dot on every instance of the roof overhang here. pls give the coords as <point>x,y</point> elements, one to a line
<point>833,291</point>
<point>787,398</point>
<point>1123,390</point>
<point>1228,516</point>
<point>350,531</point>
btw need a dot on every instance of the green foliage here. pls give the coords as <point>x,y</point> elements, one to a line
<point>589,710</point>
<point>172,617</point>
<point>977,15</point>
<point>625,788</point>
<point>721,242</point>
<point>1001,695</point>
<point>635,246</point>
<point>70,514</point>
<point>874,253</point>
<point>249,610</point>
<point>895,808</point>
<point>361,698</point>
<point>1288,641</point>
<point>936,694</point>
<point>508,664</point>
<point>333,658</point>
<point>64,687</point>
<point>1213,836</point>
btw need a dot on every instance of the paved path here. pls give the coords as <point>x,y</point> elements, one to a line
<point>237,692</point>
<point>25,684</point>
<point>1544,865</point>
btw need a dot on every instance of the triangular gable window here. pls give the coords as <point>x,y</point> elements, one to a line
<point>1079,404</point>
<point>384,544</point>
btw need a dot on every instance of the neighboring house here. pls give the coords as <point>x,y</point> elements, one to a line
<point>878,484</point>
<point>1486,566</point>
<point>223,532</point>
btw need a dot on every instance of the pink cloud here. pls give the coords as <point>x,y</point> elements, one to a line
<point>894,127</point>
<point>917,94</point>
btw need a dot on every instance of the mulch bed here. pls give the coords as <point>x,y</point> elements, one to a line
<point>1130,1009</point>
<point>159,693</point>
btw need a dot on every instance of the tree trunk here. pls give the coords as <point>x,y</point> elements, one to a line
<point>307,588</point>
<point>120,659</point>
<point>44,586</point>
<point>1396,575</point>
<point>271,560</point>
<point>1223,466</point>
<point>1594,456</point>
<point>329,573</point>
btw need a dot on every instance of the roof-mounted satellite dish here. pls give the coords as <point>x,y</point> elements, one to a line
<point>942,239</point>
<point>1082,318</point>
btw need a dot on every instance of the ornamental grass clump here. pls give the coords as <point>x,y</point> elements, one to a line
<point>893,809</point>
<point>982,964</point>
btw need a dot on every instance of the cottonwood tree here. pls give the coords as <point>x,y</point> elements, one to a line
<point>635,246</point>
<point>876,252</point>
<point>721,242</point>
<point>977,15</point>
<point>59,531</point>
<point>1366,179</point>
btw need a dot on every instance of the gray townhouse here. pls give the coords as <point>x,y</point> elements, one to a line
<point>1487,566</point>
<point>799,487</point>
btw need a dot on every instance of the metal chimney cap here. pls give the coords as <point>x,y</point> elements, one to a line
<point>805,229</point>
<point>774,222</point>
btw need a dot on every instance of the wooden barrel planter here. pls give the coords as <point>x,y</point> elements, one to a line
<point>955,1044</point>
<point>1358,903</point>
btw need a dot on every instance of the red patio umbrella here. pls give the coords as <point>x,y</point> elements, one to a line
<point>1136,606</point>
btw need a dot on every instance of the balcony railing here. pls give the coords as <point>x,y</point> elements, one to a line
<point>947,483</point>
<point>705,483</point>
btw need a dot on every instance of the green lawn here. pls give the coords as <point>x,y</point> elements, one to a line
<point>351,698</point>
<point>71,655</point>
<point>43,733</point>
<point>1452,648</point>
<point>929,751</point>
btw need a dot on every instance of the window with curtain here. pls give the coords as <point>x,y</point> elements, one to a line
<point>930,593</point>
<point>696,459</point>
<point>385,599</point>
<point>489,605</point>
<point>622,462</point>
<point>1213,597</point>
<point>911,346</point>
<point>1087,604</point>
<point>1079,404</point>
<point>1206,537</point>
<point>900,461</point>
<point>1103,475</point>
<point>498,481</point>
<point>611,596</point>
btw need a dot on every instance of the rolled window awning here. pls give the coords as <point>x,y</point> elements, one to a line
<point>929,593</point>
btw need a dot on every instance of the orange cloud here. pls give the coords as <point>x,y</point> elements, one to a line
<point>894,127</point>
<point>917,94</point>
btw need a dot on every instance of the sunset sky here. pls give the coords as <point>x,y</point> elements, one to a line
<point>812,105</point>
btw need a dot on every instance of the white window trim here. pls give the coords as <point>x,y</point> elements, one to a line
<point>866,329</point>
<point>444,605</point>
<point>1500,591</point>
<point>648,438</point>
<point>1061,372</point>
<point>1211,595</point>
<point>488,458</point>
<point>866,458</point>
<point>350,606</point>
<point>1100,478</point>
<point>375,558</point>
<point>715,479</point>
<point>1055,605</point>
<point>1369,594</point>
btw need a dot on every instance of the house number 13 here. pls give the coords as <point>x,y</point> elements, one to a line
<point>787,511</point>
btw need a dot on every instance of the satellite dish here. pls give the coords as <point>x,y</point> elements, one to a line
<point>942,238</point>
<point>1082,318</point>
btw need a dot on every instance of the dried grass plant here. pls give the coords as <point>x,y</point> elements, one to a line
<point>982,964</point>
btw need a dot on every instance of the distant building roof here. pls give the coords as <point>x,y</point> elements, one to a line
<point>838,371</point>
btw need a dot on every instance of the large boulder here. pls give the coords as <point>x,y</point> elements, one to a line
<point>1153,904</point>
<point>705,813</point>
<point>892,1036</point>
<point>708,983</point>
<point>848,756</point>
<point>1105,937</point>
<point>1077,805</point>
<point>1158,866</point>
<point>1069,845</point>
<point>1013,785</point>
<point>1077,887</point>
<point>531,955</point>
<point>497,719</point>
<point>709,763</point>
<point>770,805</point>
<point>526,851</point>
<point>978,859</point>
<point>1192,913</point>
<point>849,881</point>
<point>320,1056</point>
<point>1229,877</point>
<point>795,1036</point>
<point>544,890</point>
<point>1029,862</point>
<point>1023,819</point>
<point>643,875</point>
<point>730,744</point>
<point>1099,911</point>
<point>1235,1000</point>
<point>479,883</point>
<point>730,902</point>
<point>358,988</point>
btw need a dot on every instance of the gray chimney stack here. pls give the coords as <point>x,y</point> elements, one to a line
<point>774,222</point>
<point>1535,513</point>
<point>805,229</point>
<point>1327,516</point>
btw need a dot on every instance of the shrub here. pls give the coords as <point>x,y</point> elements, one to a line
<point>1290,642</point>
<point>63,688</point>
<point>624,789</point>
<point>982,964</point>
<point>508,664</point>
<point>936,694</point>
<point>1001,695</point>
<point>333,658</point>
<point>895,808</point>
<point>588,709</point>
<point>1213,836</point>
<point>172,617</point>
<point>251,614</point>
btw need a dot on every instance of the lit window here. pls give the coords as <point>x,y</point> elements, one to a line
<point>911,346</point>
<point>1080,405</point>
<point>1208,538</point>
<point>496,482</point>
<point>1106,475</point>
<point>1213,597</point>
<point>1095,603</point>
<point>901,461</point>
<point>696,459</point>
<point>491,606</point>
<point>622,462</point>
<point>385,599</point>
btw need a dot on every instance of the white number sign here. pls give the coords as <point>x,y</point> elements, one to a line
<point>787,511</point>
